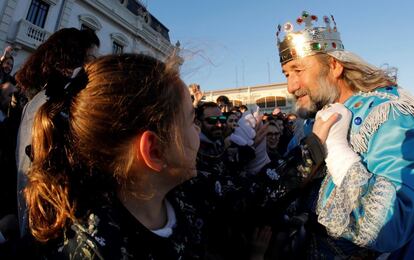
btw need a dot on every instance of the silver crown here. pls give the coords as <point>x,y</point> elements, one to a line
<point>310,40</point>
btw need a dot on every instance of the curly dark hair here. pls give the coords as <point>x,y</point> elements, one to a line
<point>63,51</point>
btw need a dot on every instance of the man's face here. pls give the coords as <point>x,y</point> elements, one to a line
<point>213,130</point>
<point>308,80</point>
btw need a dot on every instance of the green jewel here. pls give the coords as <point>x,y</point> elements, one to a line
<point>305,14</point>
<point>316,46</point>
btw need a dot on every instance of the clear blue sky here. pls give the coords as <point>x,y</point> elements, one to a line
<point>230,43</point>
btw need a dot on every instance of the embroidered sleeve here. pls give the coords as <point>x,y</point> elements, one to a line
<point>370,205</point>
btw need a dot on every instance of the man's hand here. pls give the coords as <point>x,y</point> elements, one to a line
<point>321,126</point>
<point>340,157</point>
<point>7,53</point>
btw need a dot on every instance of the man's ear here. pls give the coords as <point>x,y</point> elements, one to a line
<point>336,68</point>
<point>150,151</point>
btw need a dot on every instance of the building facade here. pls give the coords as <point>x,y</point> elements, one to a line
<point>267,97</point>
<point>121,25</point>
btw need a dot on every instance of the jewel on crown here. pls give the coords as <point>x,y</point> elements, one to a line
<point>308,41</point>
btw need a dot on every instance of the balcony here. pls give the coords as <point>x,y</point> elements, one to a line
<point>30,35</point>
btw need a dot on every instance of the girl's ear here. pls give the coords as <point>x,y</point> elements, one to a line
<point>150,151</point>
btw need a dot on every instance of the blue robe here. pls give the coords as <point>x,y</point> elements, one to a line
<point>374,206</point>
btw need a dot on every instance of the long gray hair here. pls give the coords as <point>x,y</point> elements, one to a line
<point>358,74</point>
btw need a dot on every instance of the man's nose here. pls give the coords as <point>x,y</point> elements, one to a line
<point>293,84</point>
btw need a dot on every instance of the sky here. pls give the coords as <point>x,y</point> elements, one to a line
<point>232,43</point>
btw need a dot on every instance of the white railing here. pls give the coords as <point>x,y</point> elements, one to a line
<point>31,35</point>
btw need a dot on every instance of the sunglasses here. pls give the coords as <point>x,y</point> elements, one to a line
<point>212,120</point>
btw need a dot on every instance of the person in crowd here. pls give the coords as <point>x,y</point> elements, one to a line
<point>290,122</point>
<point>114,168</point>
<point>366,200</point>
<point>236,110</point>
<point>267,117</point>
<point>224,104</point>
<point>6,63</point>
<point>7,90</point>
<point>239,148</point>
<point>274,132</point>
<point>243,108</point>
<point>279,120</point>
<point>9,124</point>
<point>214,156</point>
<point>231,123</point>
<point>196,94</point>
<point>211,154</point>
<point>302,128</point>
<point>55,59</point>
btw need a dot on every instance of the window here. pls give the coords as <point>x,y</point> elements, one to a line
<point>86,27</point>
<point>117,48</point>
<point>281,101</point>
<point>261,102</point>
<point>37,13</point>
<point>271,102</point>
<point>119,42</point>
<point>88,21</point>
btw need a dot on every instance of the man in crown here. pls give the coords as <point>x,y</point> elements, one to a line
<point>366,199</point>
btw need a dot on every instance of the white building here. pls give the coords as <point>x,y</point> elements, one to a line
<point>121,25</point>
<point>267,97</point>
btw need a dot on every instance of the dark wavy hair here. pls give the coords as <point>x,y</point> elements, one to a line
<point>62,52</point>
<point>91,151</point>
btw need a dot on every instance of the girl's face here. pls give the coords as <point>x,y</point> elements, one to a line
<point>184,160</point>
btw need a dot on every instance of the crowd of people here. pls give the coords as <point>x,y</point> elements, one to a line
<point>114,157</point>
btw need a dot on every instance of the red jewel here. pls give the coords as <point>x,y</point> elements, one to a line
<point>299,20</point>
<point>314,17</point>
<point>358,104</point>
<point>334,45</point>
